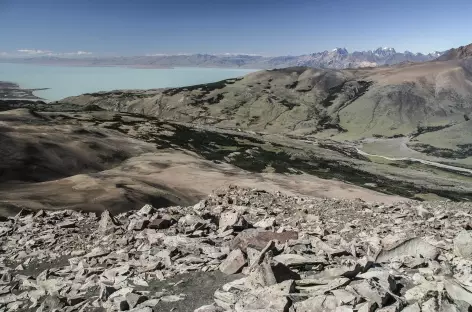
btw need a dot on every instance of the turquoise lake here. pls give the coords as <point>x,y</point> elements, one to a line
<point>65,81</point>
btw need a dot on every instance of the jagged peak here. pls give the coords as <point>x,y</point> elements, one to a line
<point>342,51</point>
<point>384,50</point>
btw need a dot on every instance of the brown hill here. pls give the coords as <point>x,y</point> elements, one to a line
<point>94,161</point>
<point>455,54</point>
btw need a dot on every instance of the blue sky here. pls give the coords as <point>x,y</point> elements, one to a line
<point>268,27</point>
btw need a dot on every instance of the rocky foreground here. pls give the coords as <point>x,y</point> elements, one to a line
<point>269,252</point>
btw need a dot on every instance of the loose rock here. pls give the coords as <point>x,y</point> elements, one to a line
<point>233,263</point>
<point>463,245</point>
<point>304,254</point>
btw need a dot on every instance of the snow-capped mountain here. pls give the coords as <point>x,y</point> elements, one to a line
<point>340,58</point>
<point>340,51</point>
<point>436,54</point>
<point>384,52</point>
<point>337,58</point>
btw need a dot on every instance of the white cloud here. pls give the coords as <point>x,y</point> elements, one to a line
<point>51,53</point>
<point>176,54</point>
<point>75,53</point>
<point>34,51</point>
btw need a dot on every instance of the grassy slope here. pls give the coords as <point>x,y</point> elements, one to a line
<point>450,137</point>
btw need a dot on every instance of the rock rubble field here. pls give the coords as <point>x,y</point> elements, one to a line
<point>242,250</point>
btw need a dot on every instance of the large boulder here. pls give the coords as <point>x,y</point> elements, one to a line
<point>463,244</point>
<point>232,220</point>
<point>415,247</point>
<point>234,262</point>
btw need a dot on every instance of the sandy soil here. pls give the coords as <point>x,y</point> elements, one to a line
<point>163,178</point>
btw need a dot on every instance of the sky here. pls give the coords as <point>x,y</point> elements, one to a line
<point>264,27</point>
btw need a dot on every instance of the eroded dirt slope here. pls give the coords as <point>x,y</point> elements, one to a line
<point>101,160</point>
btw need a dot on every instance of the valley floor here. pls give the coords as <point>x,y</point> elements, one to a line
<point>398,148</point>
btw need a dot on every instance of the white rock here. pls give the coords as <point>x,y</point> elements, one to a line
<point>415,247</point>
<point>233,263</point>
<point>414,307</point>
<point>457,292</point>
<point>463,244</point>
<point>293,260</point>
<point>265,223</point>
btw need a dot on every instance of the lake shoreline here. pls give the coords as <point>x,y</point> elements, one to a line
<point>12,91</point>
<point>129,66</point>
<point>66,81</point>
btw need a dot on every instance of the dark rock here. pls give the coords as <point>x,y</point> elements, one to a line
<point>106,291</point>
<point>138,225</point>
<point>123,306</point>
<point>258,239</point>
<point>75,300</point>
<point>284,273</point>
<point>160,224</point>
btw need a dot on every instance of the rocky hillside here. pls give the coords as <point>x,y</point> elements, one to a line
<point>241,250</point>
<point>459,53</point>
<point>390,101</point>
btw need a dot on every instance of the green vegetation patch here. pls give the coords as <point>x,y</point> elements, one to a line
<point>206,87</point>
<point>463,151</point>
<point>254,155</point>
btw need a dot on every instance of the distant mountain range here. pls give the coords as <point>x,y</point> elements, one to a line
<point>338,58</point>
